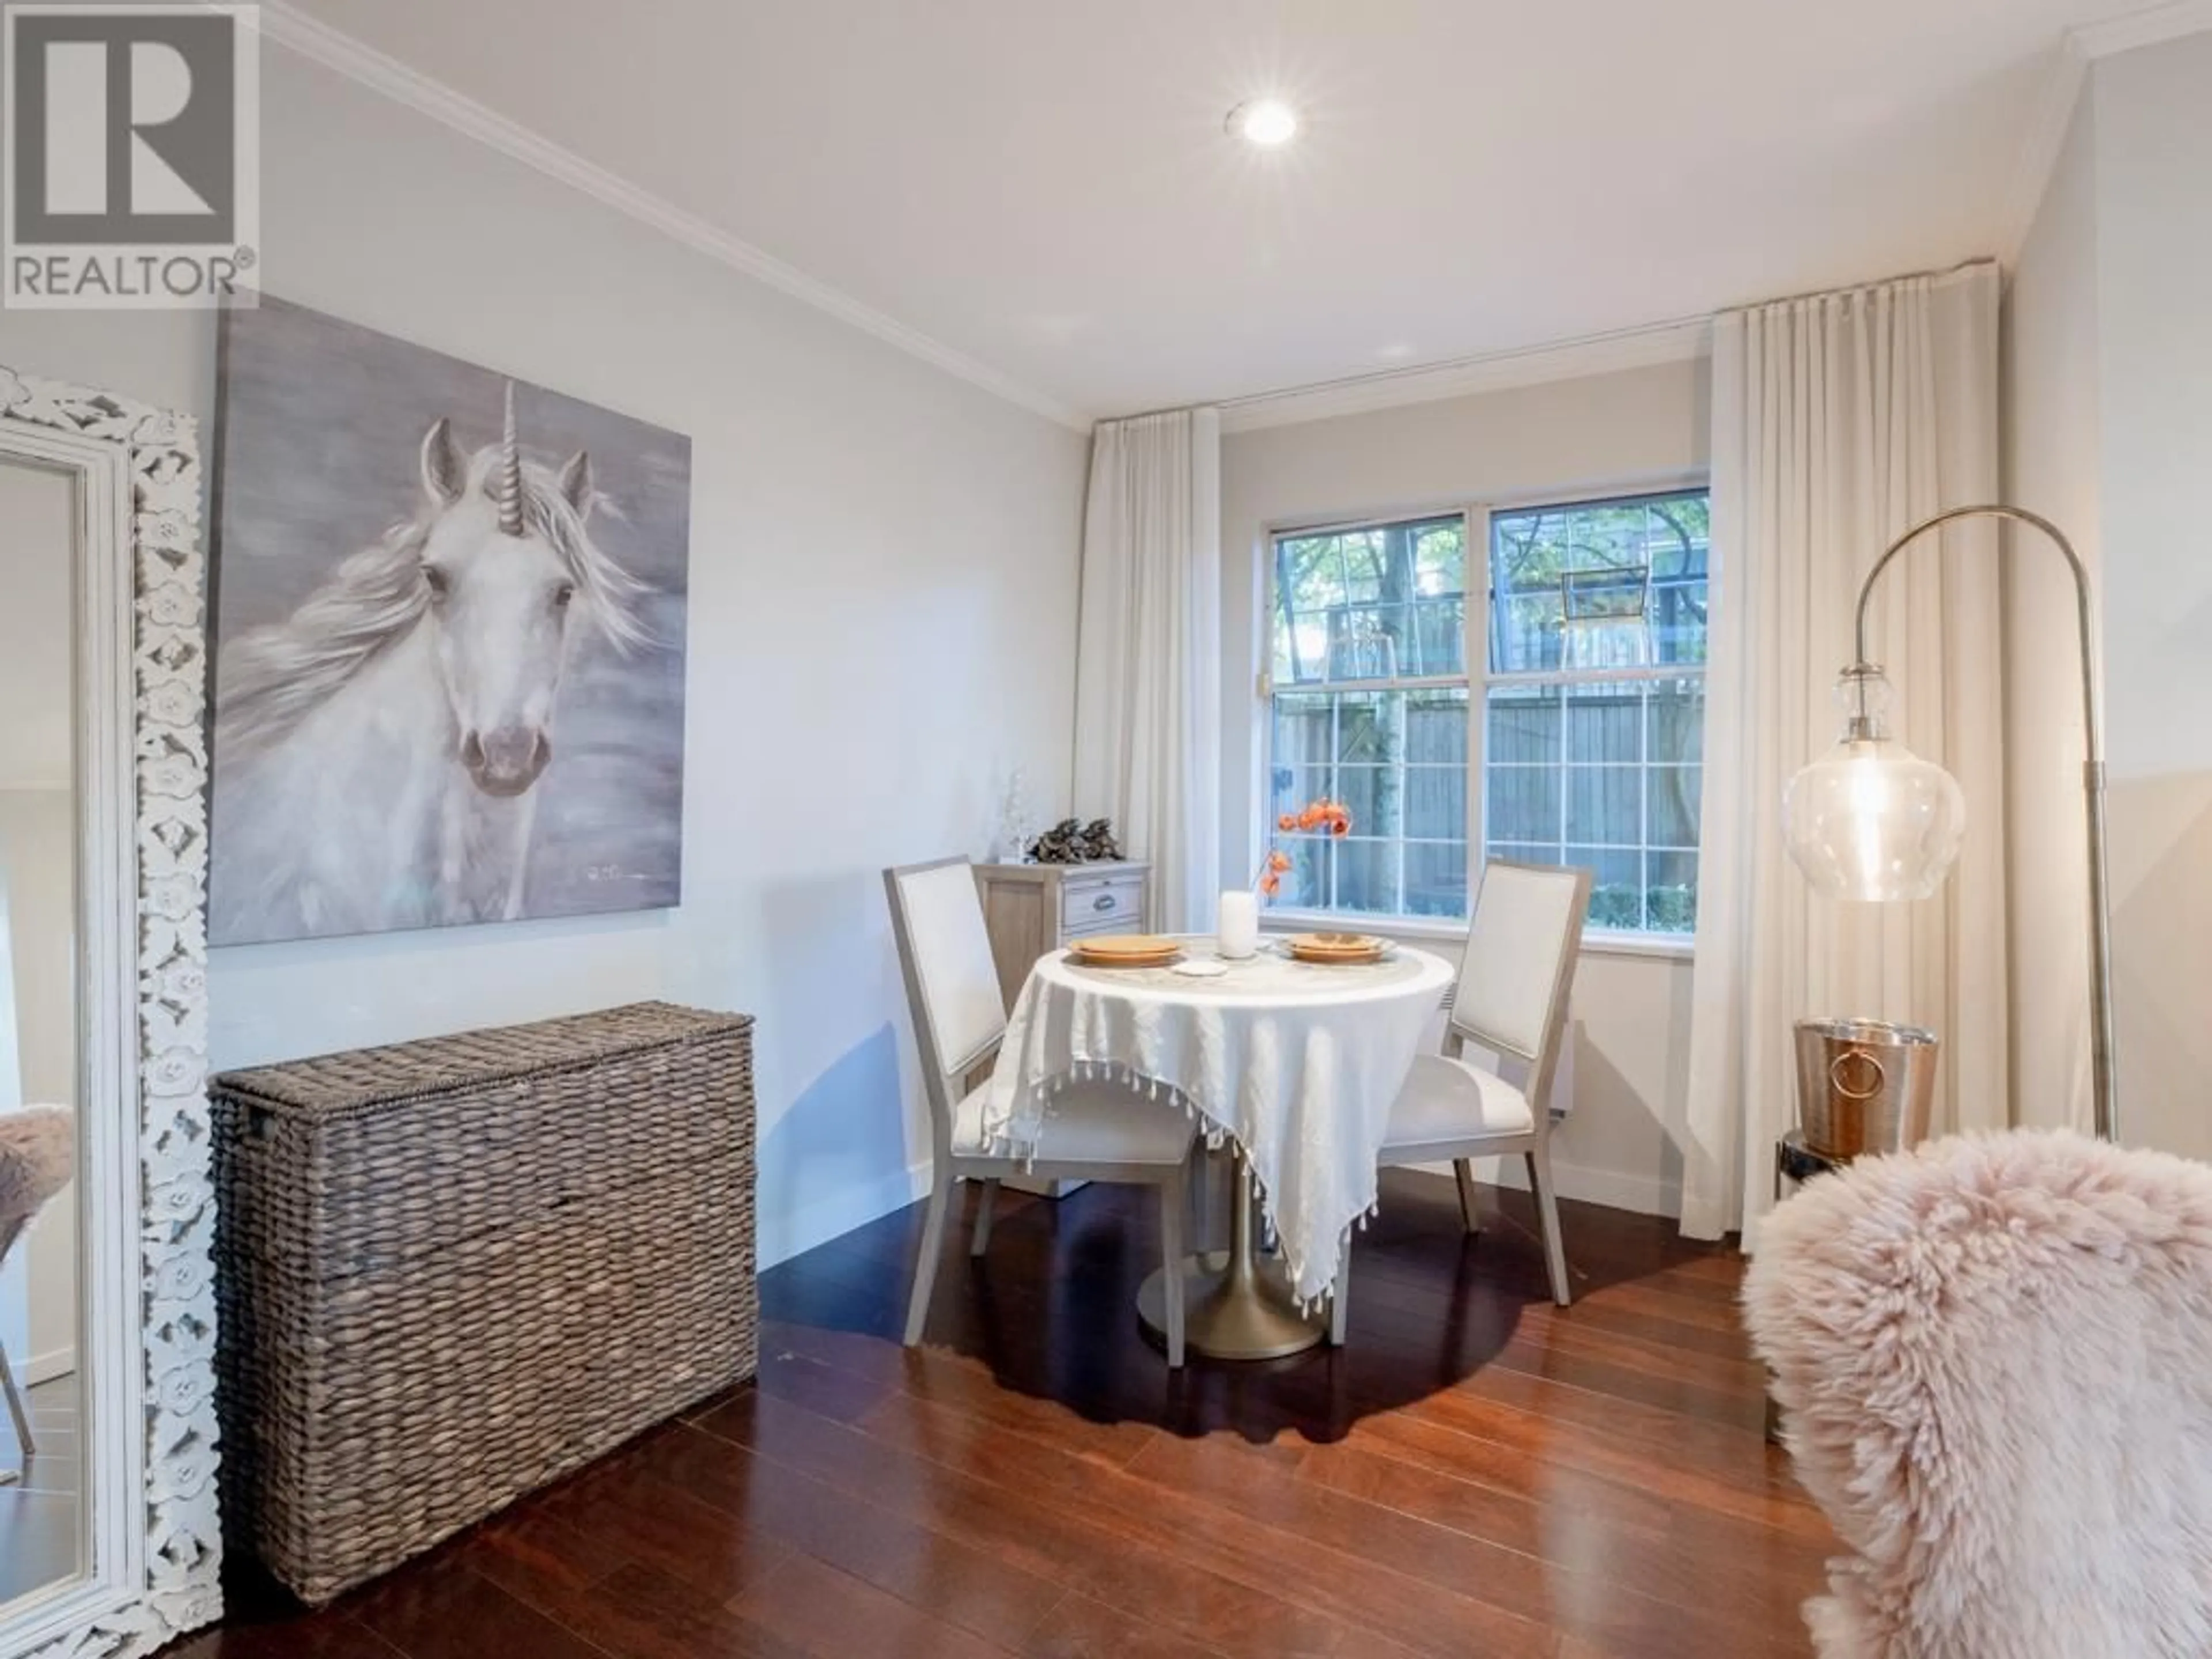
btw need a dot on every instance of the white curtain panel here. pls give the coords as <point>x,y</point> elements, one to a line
<point>1839,421</point>
<point>1148,655</point>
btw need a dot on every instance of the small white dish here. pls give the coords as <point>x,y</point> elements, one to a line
<point>1201,967</point>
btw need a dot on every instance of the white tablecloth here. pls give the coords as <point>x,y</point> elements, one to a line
<point>1297,1064</point>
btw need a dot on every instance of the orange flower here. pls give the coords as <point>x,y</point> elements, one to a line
<point>1271,883</point>
<point>1287,822</point>
<point>1340,822</point>
<point>1278,861</point>
<point>1311,817</point>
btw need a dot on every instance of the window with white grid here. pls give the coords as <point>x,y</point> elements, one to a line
<point>1589,643</point>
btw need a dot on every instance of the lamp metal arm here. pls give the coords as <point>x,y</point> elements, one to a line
<point>2104,1079</point>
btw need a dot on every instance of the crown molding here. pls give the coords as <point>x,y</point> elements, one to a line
<point>363,63</point>
<point>1598,354</point>
<point>2143,29</point>
<point>2060,92</point>
<point>2048,123</point>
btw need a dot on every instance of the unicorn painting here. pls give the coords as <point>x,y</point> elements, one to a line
<point>393,724</point>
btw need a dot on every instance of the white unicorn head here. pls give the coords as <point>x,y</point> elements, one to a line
<point>505,571</point>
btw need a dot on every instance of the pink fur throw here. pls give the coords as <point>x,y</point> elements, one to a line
<point>1994,1356</point>
<point>38,1151</point>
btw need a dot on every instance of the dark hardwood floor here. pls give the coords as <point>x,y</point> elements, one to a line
<point>1477,1473</point>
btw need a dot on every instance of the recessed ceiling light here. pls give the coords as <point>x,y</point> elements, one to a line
<point>1266,121</point>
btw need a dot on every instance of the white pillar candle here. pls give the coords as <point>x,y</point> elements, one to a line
<point>1239,925</point>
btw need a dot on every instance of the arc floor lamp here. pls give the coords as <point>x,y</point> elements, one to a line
<point>1872,820</point>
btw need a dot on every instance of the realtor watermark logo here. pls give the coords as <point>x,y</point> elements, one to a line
<point>132,173</point>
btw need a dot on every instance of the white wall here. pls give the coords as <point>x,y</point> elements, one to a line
<point>1646,426</point>
<point>2110,431</point>
<point>881,620</point>
<point>38,1015</point>
<point>2153,117</point>
<point>37,864</point>
<point>2050,443</point>
<point>38,531</point>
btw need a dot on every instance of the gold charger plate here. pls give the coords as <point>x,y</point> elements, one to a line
<point>1126,950</point>
<point>1337,947</point>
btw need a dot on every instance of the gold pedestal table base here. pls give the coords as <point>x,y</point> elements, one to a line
<point>1237,1303</point>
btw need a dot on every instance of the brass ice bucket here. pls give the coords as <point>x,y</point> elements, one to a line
<point>1864,1085</point>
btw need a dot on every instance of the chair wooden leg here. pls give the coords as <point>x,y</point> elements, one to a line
<point>1339,1295</point>
<point>925,1266</point>
<point>1547,1217</point>
<point>16,1409</point>
<point>1174,1197</point>
<point>986,1212</point>
<point>1468,1212</point>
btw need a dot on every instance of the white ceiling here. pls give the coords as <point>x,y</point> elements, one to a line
<point>1044,187</point>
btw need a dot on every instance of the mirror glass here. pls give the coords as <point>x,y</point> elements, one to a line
<point>43,1525</point>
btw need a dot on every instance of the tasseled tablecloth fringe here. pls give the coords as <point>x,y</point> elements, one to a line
<point>1006,1144</point>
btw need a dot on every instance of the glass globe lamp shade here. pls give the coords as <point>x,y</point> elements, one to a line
<point>1870,819</point>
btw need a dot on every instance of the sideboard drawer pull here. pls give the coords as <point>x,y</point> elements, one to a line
<point>1088,901</point>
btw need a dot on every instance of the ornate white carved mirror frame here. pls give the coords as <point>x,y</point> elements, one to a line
<point>153,1550</point>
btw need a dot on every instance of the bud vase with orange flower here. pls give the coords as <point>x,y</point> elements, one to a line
<point>1332,815</point>
<point>1239,924</point>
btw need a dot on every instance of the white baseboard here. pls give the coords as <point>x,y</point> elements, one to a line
<point>1617,1189</point>
<point>794,1233</point>
<point>45,1367</point>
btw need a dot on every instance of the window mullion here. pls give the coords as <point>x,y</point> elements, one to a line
<point>1335,773</point>
<point>1566,773</point>
<point>1535,676</point>
<point>1644,804</point>
<point>1407,683</point>
<point>1401,738</point>
<point>1475,655</point>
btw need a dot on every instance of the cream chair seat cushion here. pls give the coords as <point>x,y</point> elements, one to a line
<point>1089,1123</point>
<point>1446,1102</point>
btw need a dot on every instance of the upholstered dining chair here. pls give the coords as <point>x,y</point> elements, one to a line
<point>1511,999</point>
<point>38,1155</point>
<point>1096,1130</point>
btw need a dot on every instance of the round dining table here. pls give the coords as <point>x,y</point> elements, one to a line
<point>1290,1066</point>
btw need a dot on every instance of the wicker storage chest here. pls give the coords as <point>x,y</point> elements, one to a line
<point>450,1271</point>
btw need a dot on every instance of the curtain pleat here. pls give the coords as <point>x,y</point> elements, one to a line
<point>1148,653</point>
<point>1839,421</point>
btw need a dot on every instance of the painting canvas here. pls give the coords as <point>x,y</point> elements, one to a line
<point>449,655</point>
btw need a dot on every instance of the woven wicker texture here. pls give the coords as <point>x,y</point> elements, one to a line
<point>453,1270</point>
